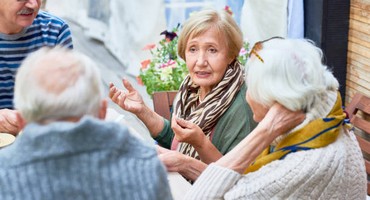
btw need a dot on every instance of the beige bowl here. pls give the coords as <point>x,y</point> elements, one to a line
<point>6,139</point>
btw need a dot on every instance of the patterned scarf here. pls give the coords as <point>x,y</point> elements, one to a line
<point>206,113</point>
<point>318,133</point>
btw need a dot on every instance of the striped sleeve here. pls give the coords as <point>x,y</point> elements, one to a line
<point>46,30</point>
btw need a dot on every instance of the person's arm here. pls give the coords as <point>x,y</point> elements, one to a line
<point>220,177</point>
<point>277,121</point>
<point>132,101</point>
<point>152,120</point>
<point>9,122</point>
<point>188,132</point>
<point>187,166</point>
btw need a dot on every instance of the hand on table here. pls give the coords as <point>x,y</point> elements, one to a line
<point>183,164</point>
<point>173,160</point>
<point>9,122</point>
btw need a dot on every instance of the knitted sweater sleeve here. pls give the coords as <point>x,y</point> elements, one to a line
<point>333,172</point>
<point>213,183</point>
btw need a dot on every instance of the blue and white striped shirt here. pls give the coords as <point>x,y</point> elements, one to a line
<point>46,30</point>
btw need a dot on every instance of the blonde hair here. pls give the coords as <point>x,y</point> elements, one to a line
<point>201,21</point>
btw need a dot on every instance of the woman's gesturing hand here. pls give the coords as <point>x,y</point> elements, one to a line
<point>188,132</point>
<point>130,100</point>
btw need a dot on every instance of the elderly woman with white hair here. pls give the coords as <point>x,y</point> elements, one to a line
<point>288,156</point>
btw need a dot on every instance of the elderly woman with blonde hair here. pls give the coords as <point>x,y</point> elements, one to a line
<point>288,156</point>
<point>210,113</point>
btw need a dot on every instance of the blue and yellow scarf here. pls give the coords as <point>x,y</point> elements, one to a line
<point>318,133</point>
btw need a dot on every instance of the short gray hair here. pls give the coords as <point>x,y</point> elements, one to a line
<point>56,83</point>
<point>292,74</point>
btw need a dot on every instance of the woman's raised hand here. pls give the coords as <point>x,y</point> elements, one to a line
<point>280,120</point>
<point>130,101</point>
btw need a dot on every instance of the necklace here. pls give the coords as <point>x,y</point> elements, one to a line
<point>198,94</point>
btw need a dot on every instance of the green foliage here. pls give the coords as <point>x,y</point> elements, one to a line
<point>165,71</point>
<point>243,54</point>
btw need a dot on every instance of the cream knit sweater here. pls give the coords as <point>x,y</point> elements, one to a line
<point>336,171</point>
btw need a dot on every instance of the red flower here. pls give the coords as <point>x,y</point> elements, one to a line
<point>169,63</point>
<point>228,10</point>
<point>149,47</point>
<point>145,63</point>
<point>139,81</point>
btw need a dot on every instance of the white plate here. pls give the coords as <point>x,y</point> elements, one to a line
<point>6,139</point>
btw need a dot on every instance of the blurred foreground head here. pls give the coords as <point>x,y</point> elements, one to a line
<point>55,84</point>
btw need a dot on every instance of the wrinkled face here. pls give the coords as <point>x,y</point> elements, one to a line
<point>207,59</point>
<point>259,111</point>
<point>17,14</point>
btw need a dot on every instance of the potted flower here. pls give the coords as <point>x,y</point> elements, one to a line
<point>165,71</point>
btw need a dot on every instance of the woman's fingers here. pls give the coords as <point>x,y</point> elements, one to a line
<point>183,123</point>
<point>128,85</point>
<point>186,131</point>
<point>115,94</point>
<point>280,120</point>
<point>121,101</point>
<point>112,90</point>
<point>177,129</point>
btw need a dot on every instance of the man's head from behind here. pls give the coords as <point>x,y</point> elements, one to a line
<point>17,14</point>
<point>55,84</point>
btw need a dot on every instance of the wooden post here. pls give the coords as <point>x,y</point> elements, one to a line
<point>327,23</point>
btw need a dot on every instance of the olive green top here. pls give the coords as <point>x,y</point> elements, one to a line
<point>233,126</point>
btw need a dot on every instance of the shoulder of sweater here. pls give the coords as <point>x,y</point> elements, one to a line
<point>239,99</point>
<point>46,18</point>
<point>87,136</point>
<point>238,114</point>
<point>130,143</point>
<point>239,107</point>
<point>335,168</point>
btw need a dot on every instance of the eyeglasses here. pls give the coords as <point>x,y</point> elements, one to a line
<point>25,1</point>
<point>258,46</point>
